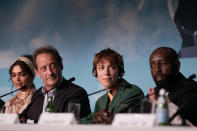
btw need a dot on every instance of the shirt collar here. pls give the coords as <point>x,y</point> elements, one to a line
<point>52,91</point>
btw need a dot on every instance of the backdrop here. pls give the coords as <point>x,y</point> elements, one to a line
<point>81,28</point>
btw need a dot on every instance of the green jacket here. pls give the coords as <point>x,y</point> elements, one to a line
<point>127,96</point>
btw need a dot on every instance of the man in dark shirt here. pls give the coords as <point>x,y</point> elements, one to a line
<point>165,65</point>
<point>48,66</point>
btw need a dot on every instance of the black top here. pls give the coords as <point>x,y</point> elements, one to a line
<point>1,103</point>
<point>183,93</point>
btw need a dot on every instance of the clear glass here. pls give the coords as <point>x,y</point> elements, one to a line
<point>76,109</point>
<point>147,106</point>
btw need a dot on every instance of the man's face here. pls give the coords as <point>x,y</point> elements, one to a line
<point>48,69</point>
<point>107,73</point>
<point>161,68</point>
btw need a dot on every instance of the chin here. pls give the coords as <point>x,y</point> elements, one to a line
<point>52,83</point>
<point>106,86</point>
<point>161,83</point>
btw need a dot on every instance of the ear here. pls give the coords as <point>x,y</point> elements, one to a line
<point>37,73</point>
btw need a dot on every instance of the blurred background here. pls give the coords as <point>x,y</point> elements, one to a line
<point>81,28</point>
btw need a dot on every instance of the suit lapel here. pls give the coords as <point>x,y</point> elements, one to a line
<point>105,102</point>
<point>116,99</point>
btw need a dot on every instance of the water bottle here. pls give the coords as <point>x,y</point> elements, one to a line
<point>162,109</point>
<point>50,107</point>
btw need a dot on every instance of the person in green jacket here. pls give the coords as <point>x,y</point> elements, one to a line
<point>108,68</point>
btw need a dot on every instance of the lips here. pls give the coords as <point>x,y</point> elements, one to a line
<point>18,84</point>
<point>158,77</point>
<point>51,78</point>
<point>107,79</point>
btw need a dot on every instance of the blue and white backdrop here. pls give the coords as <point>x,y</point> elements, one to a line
<point>81,28</point>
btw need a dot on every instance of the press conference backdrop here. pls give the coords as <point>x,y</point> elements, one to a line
<point>79,29</point>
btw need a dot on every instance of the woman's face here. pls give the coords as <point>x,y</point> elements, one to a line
<point>107,73</point>
<point>19,77</point>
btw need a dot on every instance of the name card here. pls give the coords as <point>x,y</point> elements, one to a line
<point>57,118</point>
<point>9,118</point>
<point>135,119</point>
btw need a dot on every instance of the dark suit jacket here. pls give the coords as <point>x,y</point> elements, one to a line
<point>65,93</point>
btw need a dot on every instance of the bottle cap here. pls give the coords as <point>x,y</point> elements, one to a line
<point>162,91</point>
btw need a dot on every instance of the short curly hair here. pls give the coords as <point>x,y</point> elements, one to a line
<point>113,57</point>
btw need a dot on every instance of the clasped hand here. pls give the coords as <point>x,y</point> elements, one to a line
<point>103,117</point>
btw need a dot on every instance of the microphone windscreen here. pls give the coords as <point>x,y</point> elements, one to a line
<point>191,77</point>
<point>71,79</point>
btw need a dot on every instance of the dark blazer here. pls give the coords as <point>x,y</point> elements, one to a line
<point>65,93</point>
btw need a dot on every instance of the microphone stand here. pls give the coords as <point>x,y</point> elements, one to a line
<point>96,92</point>
<point>23,87</point>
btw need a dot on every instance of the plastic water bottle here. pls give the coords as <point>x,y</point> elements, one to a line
<point>50,106</point>
<point>162,109</point>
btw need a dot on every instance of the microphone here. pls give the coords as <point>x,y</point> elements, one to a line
<point>175,114</point>
<point>192,76</point>
<point>100,91</point>
<point>23,87</point>
<point>71,79</point>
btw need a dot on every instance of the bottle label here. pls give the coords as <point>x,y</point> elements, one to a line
<point>161,116</point>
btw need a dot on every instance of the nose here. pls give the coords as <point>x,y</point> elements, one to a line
<point>107,71</point>
<point>18,78</point>
<point>49,71</point>
<point>157,68</point>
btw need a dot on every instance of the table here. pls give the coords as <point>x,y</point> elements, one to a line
<point>51,127</point>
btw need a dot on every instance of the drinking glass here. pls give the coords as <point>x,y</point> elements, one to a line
<point>75,109</point>
<point>147,106</point>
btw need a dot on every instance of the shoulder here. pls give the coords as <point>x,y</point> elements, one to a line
<point>189,87</point>
<point>102,98</point>
<point>66,85</point>
<point>187,84</point>
<point>130,88</point>
<point>70,89</point>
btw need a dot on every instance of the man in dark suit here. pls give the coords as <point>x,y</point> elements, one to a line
<point>165,65</point>
<point>48,66</point>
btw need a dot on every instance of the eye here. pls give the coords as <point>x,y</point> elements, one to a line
<point>43,68</point>
<point>100,67</point>
<point>152,66</point>
<point>53,66</point>
<point>13,75</point>
<point>114,67</point>
<point>22,74</point>
<point>163,63</point>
